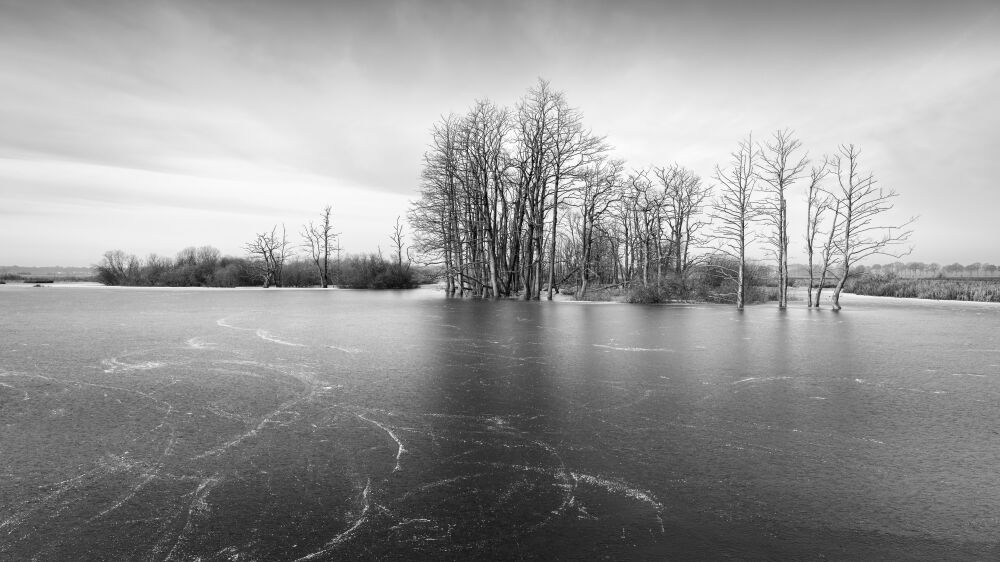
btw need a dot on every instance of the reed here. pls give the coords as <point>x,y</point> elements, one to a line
<point>890,285</point>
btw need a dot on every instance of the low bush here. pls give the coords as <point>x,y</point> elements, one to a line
<point>653,293</point>
<point>373,272</point>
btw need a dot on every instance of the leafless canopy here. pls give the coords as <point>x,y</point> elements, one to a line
<point>319,242</point>
<point>861,206</point>
<point>780,166</point>
<point>268,253</point>
<point>736,210</point>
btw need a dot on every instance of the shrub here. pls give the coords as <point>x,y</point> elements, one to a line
<point>373,272</point>
<point>653,293</point>
<point>715,281</point>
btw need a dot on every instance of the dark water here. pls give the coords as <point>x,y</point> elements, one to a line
<point>328,425</point>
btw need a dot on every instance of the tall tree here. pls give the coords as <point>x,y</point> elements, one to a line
<point>483,137</point>
<point>684,196</point>
<point>535,115</point>
<point>817,206</point>
<point>736,210</point>
<point>829,253</point>
<point>780,166</point>
<point>862,204</point>
<point>571,148</point>
<point>437,217</point>
<point>320,241</point>
<point>600,189</point>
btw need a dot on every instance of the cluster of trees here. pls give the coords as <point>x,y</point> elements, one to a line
<point>524,200</point>
<point>272,260</point>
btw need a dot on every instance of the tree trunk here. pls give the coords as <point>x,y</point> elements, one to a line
<point>740,281</point>
<point>552,248</point>
<point>739,286</point>
<point>539,252</point>
<point>838,289</point>
<point>809,289</point>
<point>322,278</point>
<point>783,257</point>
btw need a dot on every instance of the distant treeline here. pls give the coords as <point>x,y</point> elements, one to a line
<point>207,267</point>
<point>32,278</point>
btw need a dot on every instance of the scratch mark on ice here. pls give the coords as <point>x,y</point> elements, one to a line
<point>198,506</point>
<point>345,349</point>
<point>762,379</point>
<point>399,444</point>
<point>619,488</point>
<point>617,348</point>
<point>267,336</point>
<point>199,343</point>
<point>344,535</point>
<point>222,322</point>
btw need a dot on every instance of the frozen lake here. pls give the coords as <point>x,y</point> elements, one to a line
<point>154,424</point>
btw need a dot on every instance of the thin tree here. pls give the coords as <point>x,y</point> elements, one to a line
<point>437,218</point>
<point>862,203</point>
<point>282,254</point>
<point>829,253</point>
<point>817,206</point>
<point>780,166</point>
<point>736,210</point>
<point>571,147</point>
<point>398,240</point>
<point>320,241</point>
<point>684,195</point>
<point>601,188</point>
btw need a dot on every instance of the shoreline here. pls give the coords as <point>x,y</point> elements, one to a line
<point>796,294</point>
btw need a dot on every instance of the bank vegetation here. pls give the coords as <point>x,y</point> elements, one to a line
<point>207,267</point>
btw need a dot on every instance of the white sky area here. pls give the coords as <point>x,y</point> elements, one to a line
<point>152,126</point>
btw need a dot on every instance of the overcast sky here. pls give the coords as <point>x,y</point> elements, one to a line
<point>152,126</point>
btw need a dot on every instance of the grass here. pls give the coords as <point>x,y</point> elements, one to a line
<point>940,289</point>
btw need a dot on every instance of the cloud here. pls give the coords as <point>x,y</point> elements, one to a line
<point>253,108</point>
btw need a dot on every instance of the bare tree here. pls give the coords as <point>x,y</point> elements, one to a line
<point>640,211</point>
<point>571,148</point>
<point>268,253</point>
<point>320,241</point>
<point>398,241</point>
<point>535,116</point>
<point>736,210</point>
<point>861,204</point>
<point>483,177</point>
<point>780,167</point>
<point>282,255</point>
<point>626,213</point>
<point>437,218</point>
<point>684,195</point>
<point>601,188</point>
<point>829,251</point>
<point>817,206</point>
